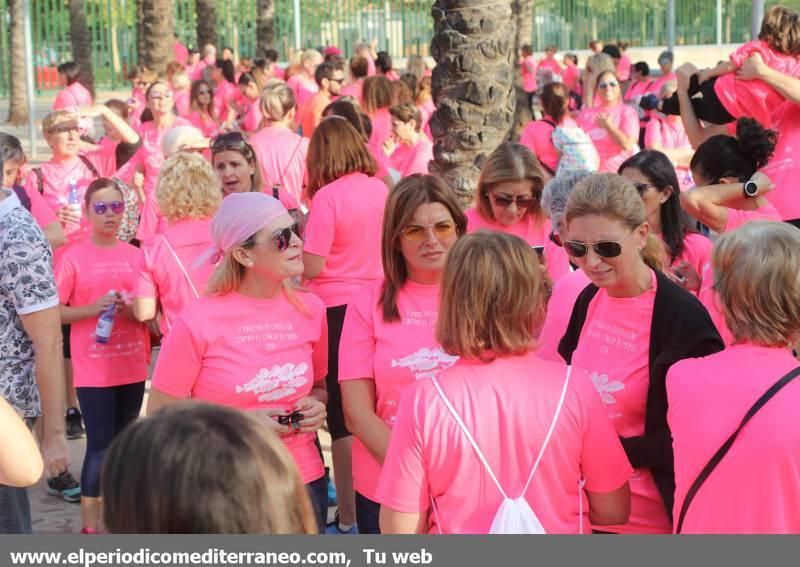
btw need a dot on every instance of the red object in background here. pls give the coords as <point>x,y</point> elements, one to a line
<point>47,77</point>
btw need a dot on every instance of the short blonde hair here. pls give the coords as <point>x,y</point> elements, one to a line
<point>277,100</point>
<point>757,277</point>
<point>187,188</point>
<point>57,117</point>
<point>493,311</point>
<point>510,162</point>
<point>180,80</point>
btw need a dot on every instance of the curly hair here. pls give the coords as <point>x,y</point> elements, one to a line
<point>737,156</point>
<point>187,188</point>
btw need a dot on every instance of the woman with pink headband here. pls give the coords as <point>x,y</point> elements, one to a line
<point>254,341</point>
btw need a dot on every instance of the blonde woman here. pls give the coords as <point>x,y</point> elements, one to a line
<point>252,341</point>
<point>188,196</point>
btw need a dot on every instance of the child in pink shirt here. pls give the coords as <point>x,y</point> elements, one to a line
<point>761,467</point>
<point>431,469</point>
<point>528,69</point>
<point>94,278</point>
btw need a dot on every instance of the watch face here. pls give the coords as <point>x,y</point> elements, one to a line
<point>750,188</point>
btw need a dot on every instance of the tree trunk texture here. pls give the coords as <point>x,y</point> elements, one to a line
<point>18,103</point>
<point>206,23</point>
<point>141,51</point>
<point>523,14</point>
<point>81,42</point>
<point>265,26</point>
<point>159,29</point>
<point>472,87</point>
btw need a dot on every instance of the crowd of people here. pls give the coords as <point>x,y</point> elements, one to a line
<point>601,343</point>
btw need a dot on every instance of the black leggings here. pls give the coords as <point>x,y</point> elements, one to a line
<point>336,425</point>
<point>106,412</point>
<point>708,108</point>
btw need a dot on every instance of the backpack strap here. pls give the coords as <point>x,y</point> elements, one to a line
<point>180,265</point>
<point>89,165</point>
<point>37,171</point>
<point>24,200</point>
<point>722,451</point>
<point>553,124</point>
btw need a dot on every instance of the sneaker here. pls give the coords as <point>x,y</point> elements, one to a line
<point>331,493</point>
<point>75,424</point>
<point>335,529</point>
<point>65,486</point>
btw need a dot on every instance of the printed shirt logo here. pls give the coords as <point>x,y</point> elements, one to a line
<point>606,388</point>
<point>426,362</point>
<point>277,382</point>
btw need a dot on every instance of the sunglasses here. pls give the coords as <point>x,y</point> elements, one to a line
<point>101,207</point>
<point>283,238</point>
<point>416,232</point>
<point>605,85</point>
<point>505,201</point>
<point>604,248</point>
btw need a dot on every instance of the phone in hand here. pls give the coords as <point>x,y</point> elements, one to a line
<point>294,417</point>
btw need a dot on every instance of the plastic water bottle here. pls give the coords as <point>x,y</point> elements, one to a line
<point>105,324</point>
<point>73,197</point>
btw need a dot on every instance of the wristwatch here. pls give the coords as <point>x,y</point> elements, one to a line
<point>750,189</point>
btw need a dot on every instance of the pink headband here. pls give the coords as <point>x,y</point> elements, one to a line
<point>239,217</point>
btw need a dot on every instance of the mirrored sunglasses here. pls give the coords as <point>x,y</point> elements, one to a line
<point>101,207</point>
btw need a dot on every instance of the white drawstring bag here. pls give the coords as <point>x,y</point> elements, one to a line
<point>514,516</point>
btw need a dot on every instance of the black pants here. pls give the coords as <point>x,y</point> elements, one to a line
<point>318,493</point>
<point>367,515</point>
<point>336,425</point>
<point>106,412</point>
<point>708,108</point>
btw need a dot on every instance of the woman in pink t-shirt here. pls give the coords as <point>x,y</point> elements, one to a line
<point>254,341</point>
<point>342,253</point>
<point>388,338</point>
<point>443,474</point>
<point>110,348</point>
<point>73,94</point>
<point>537,134</point>
<point>188,196</point>
<point>202,114</point>
<point>508,199</point>
<point>425,105</point>
<point>225,92</point>
<point>688,252</point>
<point>250,112</point>
<point>756,271</point>
<point>375,102</point>
<point>280,151</point>
<point>572,74</point>
<point>408,149</point>
<point>626,330</point>
<point>181,92</point>
<point>612,125</point>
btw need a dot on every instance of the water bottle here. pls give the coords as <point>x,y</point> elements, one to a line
<point>105,324</point>
<point>73,197</point>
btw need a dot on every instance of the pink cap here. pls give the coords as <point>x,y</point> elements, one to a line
<point>332,50</point>
<point>239,217</point>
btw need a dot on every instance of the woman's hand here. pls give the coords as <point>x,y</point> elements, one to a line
<point>270,417</point>
<point>389,146</point>
<point>314,414</point>
<point>752,68</point>
<point>68,215</point>
<point>603,120</point>
<point>104,301</point>
<point>687,276</point>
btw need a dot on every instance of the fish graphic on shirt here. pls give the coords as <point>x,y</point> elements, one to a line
<point>277,382</point>
<point>606,388</point>
<point>426,362</point>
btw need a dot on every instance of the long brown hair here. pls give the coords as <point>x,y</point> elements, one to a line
<point>336,149</point>
<point>403,201</point>
<point>376,94</point>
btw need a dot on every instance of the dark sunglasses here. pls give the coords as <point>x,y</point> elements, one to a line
<point>523,202</point>
<point>283,238</point>
<point>101,207</point>
<point>604,248</point>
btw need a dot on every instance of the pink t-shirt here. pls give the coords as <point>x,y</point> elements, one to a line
<point>203,122</point>
<point>344,227</point>
<point>381,129</point>
<point>169,273</point>
<point>614,348</point>
<point>559,310</point>
<point>552,65</point>
<point>537,137</point>
<point>281,155</point>
<point>426,110</point>
<point>624,68</point>
<point>304,88</point>
<point>430,457</point>
<point>394,355</point>
<point>656,85</point>
<point>755,99</point>
<point>532,233</point>
<point>182,100</point>
<point>179,52</point>
<point>84,273</point>
<point>224,93</point>
<point>392,75</point>
<point>199,70</point>
<point>71,97</point>
<point>250,354</point>
<point>637,89</point>
<point>105,156</point>
<point>669,134</point>
<point>412,159</point>
<point>756,487</point>
<point>782,168</point>
<point>41,213</point>
<point>383,162</point>
<point>623,117</point>
<point>251,120</point>
<point>528,68</point>
<point>572,78</point>
<point>696,251</point>
<point>354,90</point>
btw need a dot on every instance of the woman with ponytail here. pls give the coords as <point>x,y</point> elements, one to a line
<point>627,328</point>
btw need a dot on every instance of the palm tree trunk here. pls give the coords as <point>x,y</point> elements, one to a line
<point>141,51</point>
<point>81,42</point>
<point>159,34</point>
<point>472,87</point>
<point>18,103</point>
<point>265,25</point>
<point>523,14</point>
<point>206,22</point>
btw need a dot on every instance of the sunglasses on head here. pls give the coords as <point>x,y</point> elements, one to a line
<point>417,232</point>
<point>603,248</point>
<point>101,207</point>
<point>232,141</point>
<point>605,85</point>
<point>505,201</point>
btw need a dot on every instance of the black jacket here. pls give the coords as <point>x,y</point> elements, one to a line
<point>681,328</point>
